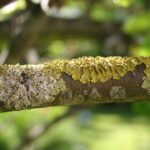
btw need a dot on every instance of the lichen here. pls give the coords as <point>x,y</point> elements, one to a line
<point>85,92</point>
<point>35,85</point>
<point>3,69</point>
<point>118,92</point>
<point>98,69</point>
<point>28,86</point>
<point>146,84</point>
<point>66,97</point>
<point>78,99</point>
<point>94,95</point>
<point>146,78</point>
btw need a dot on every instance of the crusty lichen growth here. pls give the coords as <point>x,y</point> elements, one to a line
<point>118,92</point>
<point>98,69</point>
<point>94,95</point>
<point>146,78</point>
<point>28,86</point>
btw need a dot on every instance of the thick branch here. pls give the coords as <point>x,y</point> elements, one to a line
<point>27,37</point>
<point>68,28</point>
<point>84,80</point>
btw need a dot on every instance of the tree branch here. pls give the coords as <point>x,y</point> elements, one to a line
<point>85,80</point>
<point>44,28</point>
<point>68,28</point>
<point>27,37</point>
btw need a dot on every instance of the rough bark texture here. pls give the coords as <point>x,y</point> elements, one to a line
<point>85,80</point>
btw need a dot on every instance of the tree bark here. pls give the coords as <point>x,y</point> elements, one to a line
<point>85,80</point>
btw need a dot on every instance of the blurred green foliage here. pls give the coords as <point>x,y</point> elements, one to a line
<point>138,23</point>
<point>88,130</point>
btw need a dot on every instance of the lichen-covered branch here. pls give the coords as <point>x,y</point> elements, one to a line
<point>85,80</point>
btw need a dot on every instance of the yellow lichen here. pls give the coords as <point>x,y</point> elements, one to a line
<point>98,69</point>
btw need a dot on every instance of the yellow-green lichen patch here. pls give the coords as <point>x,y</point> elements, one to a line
<point>54,68</point>
<point>90,69</point>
